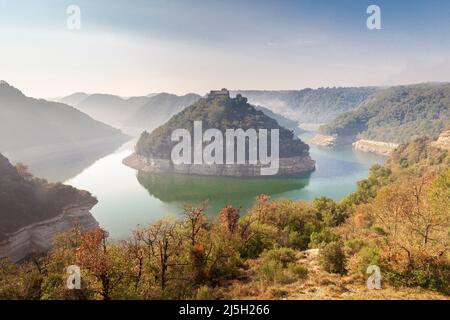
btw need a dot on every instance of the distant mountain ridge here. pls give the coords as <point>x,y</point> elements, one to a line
<point>282,121</point>
<point>145,112</point>
<point>312,106</point>
<point>309,105</point>
<point>28,122</point>
<point>34,129</point>
<point>160,108</point>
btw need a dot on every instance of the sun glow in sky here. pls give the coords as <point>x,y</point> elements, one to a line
<point>139,47</point>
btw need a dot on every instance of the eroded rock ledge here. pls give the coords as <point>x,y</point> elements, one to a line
<point>292,166</point>
<point>364,145</point>
<point>378,147</point>
<point>325,140</point>
<point>38,237</point>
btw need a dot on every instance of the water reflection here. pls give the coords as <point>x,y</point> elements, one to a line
<point>183,188</point>
<point>61,163</point>
<point>218,191</point>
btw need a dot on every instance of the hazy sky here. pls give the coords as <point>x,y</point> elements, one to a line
<point>139,47</point>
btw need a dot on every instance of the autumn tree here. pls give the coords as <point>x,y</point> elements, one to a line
<point>414,215</point>
<point>164,250</point>
<point>195,220</point>
<point>99,259</point>
<point>229,218</point>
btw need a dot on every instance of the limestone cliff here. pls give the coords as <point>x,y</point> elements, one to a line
<point>378,147</point>
<point>291,166</point>
<point>37,238</point>
<point>325,140</point>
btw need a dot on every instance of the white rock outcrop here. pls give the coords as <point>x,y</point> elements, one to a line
<point>378,147</point>
<point>291,166</point>
<point>38,237</point>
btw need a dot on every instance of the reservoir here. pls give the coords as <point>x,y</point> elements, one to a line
<point>128,199</point>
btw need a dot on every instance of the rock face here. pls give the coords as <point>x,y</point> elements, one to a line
<point>291,166</point>
<point>38,237</point>
<point>443,142</point>
<point>378,147</point>
<point>325,140</point>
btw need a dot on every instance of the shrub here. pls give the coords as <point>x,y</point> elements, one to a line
<point>204,293</point>
<point>263,238</point>
<point>434,276</point>
<point>298,270</point>
<point>355,245</point>
<point>370,255</point>
<point>282,255</point>
<point>332,257</point>
<point>273,265</point>
<point>322,237</point>
<point>279,293</point>
<point>271,271</point>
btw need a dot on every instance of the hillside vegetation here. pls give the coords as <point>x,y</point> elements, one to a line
<point>397,114</point>
<point>221,113</point>
<point>25,199</point>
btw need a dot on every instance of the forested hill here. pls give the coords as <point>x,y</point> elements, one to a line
<point>309,105</point>
<point>397,114</point>
<point>221,113</point>
<point>25,200</point>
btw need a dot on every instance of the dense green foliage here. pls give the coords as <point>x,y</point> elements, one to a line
<point>220,113</point>
<point>397,114</point>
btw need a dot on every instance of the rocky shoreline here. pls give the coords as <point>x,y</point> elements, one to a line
<point>378,147</point>
<point>364,145</point>
<point>325,140</point>
<point>293,166</point>
<point>37,238</point>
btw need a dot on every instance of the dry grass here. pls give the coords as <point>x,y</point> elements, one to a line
<point>319,285</point>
